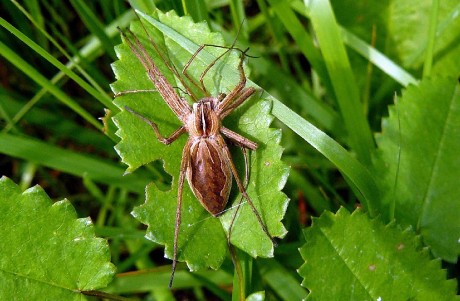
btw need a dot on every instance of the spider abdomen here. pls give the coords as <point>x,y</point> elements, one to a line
<point>208,175</point>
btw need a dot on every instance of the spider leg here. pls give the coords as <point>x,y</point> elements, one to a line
<point>177,104</point>
<point>227,158</point>
<point>135,92</point>
<point>165,140</point>
<point>201,86</point>
<point>246,182</point>
<point>242,97</point>
<point>238,139</point>
<point>237,96</point>
<point>192,80</point>
<point>203,74</point>
<point>183,169</point>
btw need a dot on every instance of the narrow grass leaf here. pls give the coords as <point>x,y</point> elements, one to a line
<point>238,16</point>
<point>36,76</point>
<point>70,162</point>
<point>431,38</point>
<point>377,58</point>
<point>291,91</point>
<point>370,53</point>
<point>35,11</point>
<point>303,40</point>
<point>63,68</point>
<point>281,281</point>
<point>197,9</point>
<point>343,80</point>
<point>61,128</point>
<point>359,175</point>
<point>94,25</point>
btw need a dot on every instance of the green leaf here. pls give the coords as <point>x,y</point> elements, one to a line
<point>47,253</point>
<point>343,80</point>
<point>78,164</point>
<point>409,28</point>
<point>257,296</point>
<point>35,75</point>
<point>63,68</point>
<point>281,279</point>
<point>197,9</point>
<point>419,166</point>
<point>202,239</point>
<point>350,257</point>
<point>347,163</point>
<point>94,25</point>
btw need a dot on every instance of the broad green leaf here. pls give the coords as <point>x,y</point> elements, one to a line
<point>419,163</point>
<point>409,27</point>
<point>202,239</point>
<point>350,257</point>
<point>46,252</point>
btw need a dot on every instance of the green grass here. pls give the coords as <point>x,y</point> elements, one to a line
<point>367,99</point>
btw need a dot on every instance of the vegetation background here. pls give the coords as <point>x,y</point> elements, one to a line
<point>366,94</point>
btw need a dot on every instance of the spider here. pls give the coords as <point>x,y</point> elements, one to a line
<point>206,159</point>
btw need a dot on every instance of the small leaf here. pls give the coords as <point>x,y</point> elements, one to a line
<point>202,238</point>
<point>419,164</point>
<point>350,257</point>
<point>46,252</point>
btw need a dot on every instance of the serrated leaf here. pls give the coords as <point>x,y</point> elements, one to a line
<point>202,239</point>
<point>419,163</point>
<point>350,257</point>
<point>46,252</point>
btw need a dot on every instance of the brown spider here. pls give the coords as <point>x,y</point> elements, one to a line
<point>206,159</point>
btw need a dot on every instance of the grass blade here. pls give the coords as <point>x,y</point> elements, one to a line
<point>35,75</point>
<point>343,81</point>
<point>70,162</point>
<point>94,26</point>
